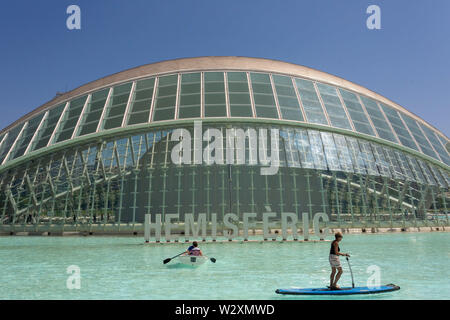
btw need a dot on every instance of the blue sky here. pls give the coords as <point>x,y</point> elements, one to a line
<point>406,61</point>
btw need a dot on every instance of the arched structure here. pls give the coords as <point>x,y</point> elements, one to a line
<point>102,155</point>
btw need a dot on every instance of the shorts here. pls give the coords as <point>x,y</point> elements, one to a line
<point>334,261</point>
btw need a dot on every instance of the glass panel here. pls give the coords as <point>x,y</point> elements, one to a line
<point>215,102</point>
<point>117,105</point>
<point>70,120</point>
<point>124,152</point>
<point>27,135</point>
<point>393,163</point>
<point>426,172</point>
<point>317,150</point>
<point>263,95</point>
<point>190,96</point>
<point>416,169</point>
<point>166,96</point>
<point>9,141</point>
<point>397,124</point>
<point>418,135</point>
<point>446,175</point>
<point>343,153</point>
<point>239,94</point>
<point>2,136</point>
<point>378,120</point>
<point>443,140</point>
<point>436,144</point>
<point>381,162</point>
<point>287,98</point>
<point>47,128</point>
<point>332,103</point>
<point>139,147</point>
<point>438,177</point>
<point>357,158</point>
<point>330,151</point>
<point>310,101</point>
<point>292,156</point>
<point>404,165</point>
<point>141,102</point>
<point>356,112</point>
<point>93,112</point>
<point>369,159</point>
<point>304,148</point>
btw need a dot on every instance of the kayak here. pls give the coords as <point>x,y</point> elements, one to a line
<point>192,260</point>
<point>341,291</point>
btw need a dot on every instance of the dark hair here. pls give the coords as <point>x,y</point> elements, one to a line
<point>195,244</point>
<point>338,235</point>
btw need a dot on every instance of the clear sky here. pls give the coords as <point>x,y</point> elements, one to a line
<point>407,61</point>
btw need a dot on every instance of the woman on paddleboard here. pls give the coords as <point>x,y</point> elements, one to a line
<point>334,261</point>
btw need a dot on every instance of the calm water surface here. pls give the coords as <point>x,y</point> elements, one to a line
<point>125,268</point>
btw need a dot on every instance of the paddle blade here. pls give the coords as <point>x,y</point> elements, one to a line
<point>213,260</point>
<point>168,259</point>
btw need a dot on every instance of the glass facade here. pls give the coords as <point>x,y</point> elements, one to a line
<point>48,127</point>
<point>70,119</point>
<point>399,128</point>
<point>287,98</point>
<point>239,95</point>
<point>118,181</point>
<point>115,110</point>
<point>311,103</point>
<point>166,98</point>
<point>22,142</point>
<point>233,94</point>
<point>360,161</point>
<point>431,136</point>
<point>333,106</point>
<point>359,118</point>
<point>215,98</point>
<point>93,112</point>
<point>380,123</point>
<point>263,96</point>
<point>190,97</point>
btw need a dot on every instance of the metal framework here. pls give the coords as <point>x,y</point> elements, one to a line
<point>109,178</point>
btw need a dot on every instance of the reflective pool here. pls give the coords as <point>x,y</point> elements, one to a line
<point>126,268</point>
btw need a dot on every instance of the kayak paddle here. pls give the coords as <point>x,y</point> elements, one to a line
<point>213,260</point>
<point>168,259</point>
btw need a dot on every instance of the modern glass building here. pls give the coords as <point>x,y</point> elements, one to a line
<point>100,157</point>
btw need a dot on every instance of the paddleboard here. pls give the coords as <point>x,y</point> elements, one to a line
<point>192,260</point>
<point>341,291</point>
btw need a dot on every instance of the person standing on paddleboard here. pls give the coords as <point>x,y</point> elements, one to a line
<point>334,261</point>
<point>194,250</point>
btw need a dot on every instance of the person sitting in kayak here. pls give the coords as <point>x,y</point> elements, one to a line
<point>194,250</point>
<point>334,261</point>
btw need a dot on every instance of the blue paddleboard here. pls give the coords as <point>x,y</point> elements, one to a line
<point>341,291</point>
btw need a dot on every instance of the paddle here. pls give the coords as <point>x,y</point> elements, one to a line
<point>213,260</point>
<point>168,259</point>
<point>353,283</point>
